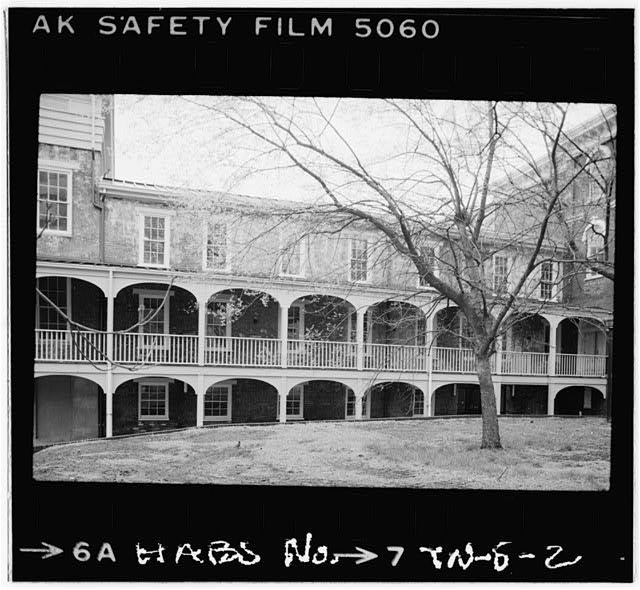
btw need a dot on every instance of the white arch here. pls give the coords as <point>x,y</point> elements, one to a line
<point>266,380</point>
<point>333,380</point>
<point>92,379</point>
<point>119,380</point>
<point>322,293</point>
<point>123,284</point>
<point>601,388</point>
<point>416,305</point>
<point>377,382</point>
<point>44,275</point>
<point>266,292</point>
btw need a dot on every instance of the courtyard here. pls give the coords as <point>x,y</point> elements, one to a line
<point>541,453</point>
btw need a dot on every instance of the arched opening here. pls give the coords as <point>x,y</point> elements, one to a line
<point>395,322</point>
<point>161,324</point>
<point>319,400</point>
<point>451,329</point>
<point>394,399</point>
<point>524,399</point>
<point>67,408</point>
<point>581,347</point>
<point>146,404</point>
<point>579,401</point>
<point>321,318</point>
<point>456,398</point>
<point>247,400</point>
<point>525,345</point>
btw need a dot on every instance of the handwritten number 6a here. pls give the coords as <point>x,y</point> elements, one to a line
<point>398,554</point>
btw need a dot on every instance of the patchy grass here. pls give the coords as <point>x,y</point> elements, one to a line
<point>539,454</point>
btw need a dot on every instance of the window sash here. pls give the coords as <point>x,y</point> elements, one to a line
<point>154,240</point>
<point>216,402</point>
<point>56,289</point>
<point>359,260</point>
<point>546,280</point>
<point>418,403</point>
<point>500,273</point>
<point>153,401</point>
<point>54,200</point>
<point>217,246</point>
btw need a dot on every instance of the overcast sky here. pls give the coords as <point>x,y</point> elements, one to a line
<point>170,140</point>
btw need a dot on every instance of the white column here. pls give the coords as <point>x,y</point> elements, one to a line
<point>553,328</point>
<point>202,329</point>
<point>109,404</point>
<point>110,302</point>
<point>283,317</point>
<point>282,398</point>
<point>359,395</point>
<point>360,339</point>
<point>499,355</point>
<point>200,402</point>
<point>497,389</point>
<point>551,397</point>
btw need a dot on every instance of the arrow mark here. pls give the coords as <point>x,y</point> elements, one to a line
<point>362,556</point>
<point>48,550</point>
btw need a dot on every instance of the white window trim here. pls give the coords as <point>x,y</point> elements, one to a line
<point>164,417</point>
<point>141,293</point>
<point>493,273</point>
<point>590,274</point>
<point>413,406</point>
<point>167,237</point>
<point>299,245</point>
<point>349,257</point>
<point>300,306</point>
<point>436,268</point>
<point>59,167</point>
<point>299,416</point>
<point>205,252</point>
<point>227,416</point>
<point>39,300</point>
<point>555,269</point>
<point>366,408</point>
<point>228,322</point>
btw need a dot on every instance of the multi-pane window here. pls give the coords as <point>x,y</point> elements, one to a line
<point>154,317</point>
<point>500,273</point>
<point>546,280</point>
<point>216,402</point>
<point>217,246</point>
<point>351,404</point>
<point>294,323</point>
<point>154,240</point>
<point>294,402</point>
<point>359,260</point>
<point>418,403</point>
<point>54,201</point>
<point>594,239</point>
<point>218,324</point>
<point>56,289</point>
<point>154,401</point>
<point>429,256</point>
<point>292,260</point>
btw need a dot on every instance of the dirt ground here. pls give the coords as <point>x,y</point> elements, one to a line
<point>539,454</point>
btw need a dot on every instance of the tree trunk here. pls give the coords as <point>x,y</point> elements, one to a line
<point>490,429</point>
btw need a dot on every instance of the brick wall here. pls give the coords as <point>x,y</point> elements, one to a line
<point>524,399</point>
<point>392,400</point>
<point>83,243</point>
<point>182,409</point>
<point>88,305</point>
<point>324,400</point>
<point>253,401</point>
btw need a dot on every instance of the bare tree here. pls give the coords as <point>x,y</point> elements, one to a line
<point>427,189</point>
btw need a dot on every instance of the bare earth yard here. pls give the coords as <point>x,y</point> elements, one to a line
<point>540,453</point>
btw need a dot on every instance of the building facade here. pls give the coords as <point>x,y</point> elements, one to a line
<point>190,308</point>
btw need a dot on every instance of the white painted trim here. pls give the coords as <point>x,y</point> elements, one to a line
<point>300,306</point>
<point>493,271</point>
<point>58,165</point>
<point>142,293</point>
<point>165,416</point>
<point>300,415</point>
<point>299,245</point>
<point>68,302</point>
<point>226,417</point>
<point>142,213</point>
<point>369,273</point>
<point>69,174</point>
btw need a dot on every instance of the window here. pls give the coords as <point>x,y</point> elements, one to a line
<point>58,290</point>
<point>217,403</point>
<point>54,201</point>
<point>295,323</point>
<point>291,264</point>
<point>429,255</point>
<point>359,271</point>
<point>150,302</point>
<point>546,280</point>
<point>351,405</point>
<point>418,402</point>
<point>154,240</point>
<point>500,273</point>
<point>153,401</point>
<point>295,403</point>
<point>217,254</point>
<point>594,241</point>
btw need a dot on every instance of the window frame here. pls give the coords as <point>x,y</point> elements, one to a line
<point>57,168</point>
<point>154,418</point>
<point>365,405</point>
<point>416,393</point>
<point>227,246</point>
<point>298,245</point>
<point>368,271</point>
<point>600,225</point>
<point>301,307</point>
<point>504,289</point>
<point>436,269</point>
<point>39,301</point>
<point>551,282</point>
<point>223,418</point>
<point>167,237</point>
<point>298,416</point>
<point>151,294</point>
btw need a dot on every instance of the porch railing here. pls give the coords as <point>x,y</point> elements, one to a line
<point>155,349</point>
<point>581,365</point>
<point>396,357</point>
<point>64,345</point>
<point>242,352</point>
<point>175,349</point>
<point>524,363</point>
<point>318,354</point>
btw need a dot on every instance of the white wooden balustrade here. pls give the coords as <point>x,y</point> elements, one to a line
<point>524,363</point>
<point>176,349</point>
<point>583,365</point>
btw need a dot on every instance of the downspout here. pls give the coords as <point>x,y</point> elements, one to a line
<point>98,200</point>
